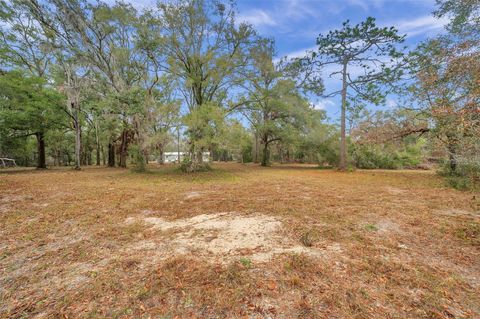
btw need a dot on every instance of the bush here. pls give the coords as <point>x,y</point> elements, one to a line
<point>466,175</point>
<point>373,156</point>
<point>369,157</point>
<point>137,159</point>
<point>185,164</point>
<point>188,166</point>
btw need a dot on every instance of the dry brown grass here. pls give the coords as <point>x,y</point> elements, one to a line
<point>386,244</point>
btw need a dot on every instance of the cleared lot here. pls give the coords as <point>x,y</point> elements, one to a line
<point>238,241</point>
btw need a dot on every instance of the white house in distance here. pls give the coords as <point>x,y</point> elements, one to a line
<point>172,157</point>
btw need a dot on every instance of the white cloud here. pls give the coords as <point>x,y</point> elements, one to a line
<point>137,4</point>
<point>323,104</point>
<point>257,18</point>
<point>297,9</point>
<point>297,53</point>
<point>360,3</point>
<point>421,25</point>
<point>391,103</point>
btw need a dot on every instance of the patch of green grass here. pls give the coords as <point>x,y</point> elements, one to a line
<point>246,262</point>
<point>371,227</point>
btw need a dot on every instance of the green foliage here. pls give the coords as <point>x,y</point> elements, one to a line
<point>448,73</point>
<point>386,156</point>
<point>205,49</point>
<point>247,263</point>
<point>278,112</point>
<point>188,166</point>
<point>136,65</point>
<point>320,143</point>
<point>21,149</point>
<point>204,123</point>
<point>464,14</point>
<point>364,46</point>
<point>185,164</point>
<point>354,46</point>
<point>137,159</point>
<point>28,105</point>
<point>60,146</point>
<point>24,43</point>
<point>234,143</point>
<point>466,175</point>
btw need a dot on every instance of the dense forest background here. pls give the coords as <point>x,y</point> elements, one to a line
<point>88,83</point>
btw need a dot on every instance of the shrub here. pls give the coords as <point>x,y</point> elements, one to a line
<point>188,166</point>
<point>466,175</point>
<point>374,156</point>
<point>185,164</point>
<point>137,159</point>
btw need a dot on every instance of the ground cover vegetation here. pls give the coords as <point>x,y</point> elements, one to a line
<point>88,83</point>
<point>291,215</point>
<point>240,240</point>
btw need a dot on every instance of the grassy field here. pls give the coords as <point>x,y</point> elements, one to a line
<point>239,241</point>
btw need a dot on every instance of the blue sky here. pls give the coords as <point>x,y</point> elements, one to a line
<point>295,24</point>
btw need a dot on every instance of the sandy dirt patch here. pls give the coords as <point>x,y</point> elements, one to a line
<point>395,191</point>
<point>459,213</point>
<point>192,195</point>
<point>225,235</point>
<point>386,225</point>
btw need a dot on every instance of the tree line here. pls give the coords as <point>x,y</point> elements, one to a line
<point>89,82</point>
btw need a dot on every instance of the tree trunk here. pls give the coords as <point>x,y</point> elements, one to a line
<point>178,145</point>
<point>196,156</point>
<point>89,157</point>
<point>78,137</point>
<point>265,154</point>
<point>256,148</point>
<point>123,149</point>
<point>98,155</point>
<point>83,157</point>
<point>160,155</point>
<point>41,162</point>
<point>145,156</point>
<point>97,142</point>
<point>111,155</point>
<point>452,160</point>
<point>343,142</point>
<point>102,151</point>
<point>199,157</point>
